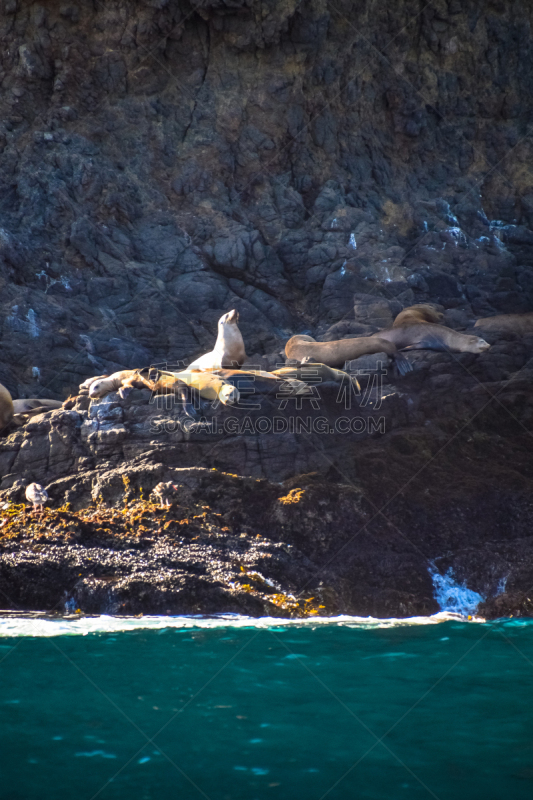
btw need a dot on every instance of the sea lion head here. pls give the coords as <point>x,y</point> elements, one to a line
<point>231,318</point>
<point>477,344</point>
<point>99,388</point>
<point>229,395</point>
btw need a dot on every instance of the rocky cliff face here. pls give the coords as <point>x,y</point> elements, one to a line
<point>163,162</point>
<point>317,166</point>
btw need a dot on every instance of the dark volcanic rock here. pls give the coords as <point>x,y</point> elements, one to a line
<point>318,168</point>
<point>346,506</point>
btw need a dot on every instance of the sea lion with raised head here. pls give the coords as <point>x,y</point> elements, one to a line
<point>417,314</point>
<point>521,324</point>
<point>6,407</point>
<point>229,351</point>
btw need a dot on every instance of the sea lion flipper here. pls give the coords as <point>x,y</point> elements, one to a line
<point>124,391</point>
<point>186,406</point>
<point>431,343</point>
<point>403,365</point>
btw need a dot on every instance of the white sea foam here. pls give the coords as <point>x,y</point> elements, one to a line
<point>40,626</point>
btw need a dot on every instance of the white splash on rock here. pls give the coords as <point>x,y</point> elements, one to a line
<point>352,241</point>
<point>453,596</point>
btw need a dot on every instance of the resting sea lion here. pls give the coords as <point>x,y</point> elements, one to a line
<point>336,353</point>
<point>419,313</point>
<point>423,336</point>
<point>261,381</point>
<point>121,382</point>
<point>6,407</point>
<point>35,405</point>
<point>427,336</point>
<point>87,383</point>
<point>229,350</point>
<point>32,406</point>
<point>521,324</point>
<point>207,384</point>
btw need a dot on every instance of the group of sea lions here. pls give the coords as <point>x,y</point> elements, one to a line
<point>218,375</point>
<point>415,328</point>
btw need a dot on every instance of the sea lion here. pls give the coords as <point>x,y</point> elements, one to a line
<point>335,354</point>
<point>428,336</point>
<point>122,382</point>
<point>88,381</point>
<point>229,350</point>
<point>6,407</point>
<point>207,384</point>
<point>419,313</point>
<point>521,324</point>
<point>261,381</point>
<point>423,336</point>
<point>29,407</point>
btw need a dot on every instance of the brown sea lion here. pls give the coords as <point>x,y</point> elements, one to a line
<point>35,405</point>
<point>520,324</point>
<point>29,407</point>
<point>6,407</point>
<point>335,354</point>
<point>427,336</point>
<point>419,313</point>
<point>229,350</point>
<point>423,336</point>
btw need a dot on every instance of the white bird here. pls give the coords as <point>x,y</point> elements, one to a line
<point>165,493</point>
<point>37,495</point>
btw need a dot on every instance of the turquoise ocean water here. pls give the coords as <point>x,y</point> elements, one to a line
<point>231,710</point>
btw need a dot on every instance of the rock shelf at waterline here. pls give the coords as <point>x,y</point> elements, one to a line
<point>354,532</point>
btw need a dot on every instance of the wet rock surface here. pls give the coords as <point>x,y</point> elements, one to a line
<point>319,168</point>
